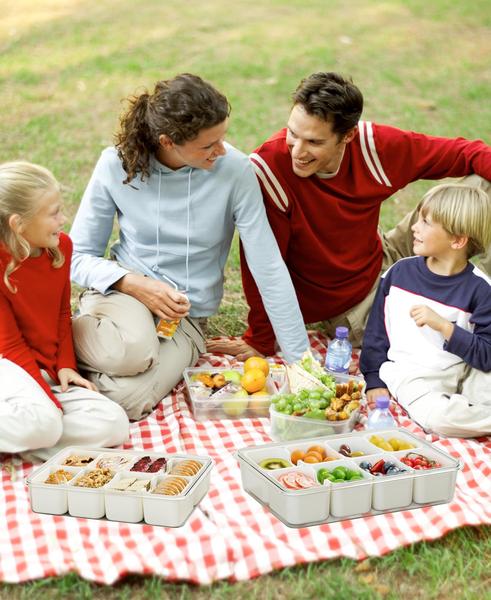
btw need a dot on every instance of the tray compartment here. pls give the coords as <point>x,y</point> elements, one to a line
<point>125,505</point>
<point>390,491</point>
<point>47,497</point>
<point>87,502</point>
<point>437,484</point>
<point>296,506</point>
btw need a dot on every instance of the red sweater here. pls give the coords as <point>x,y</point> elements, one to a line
<point>326,228</point>
<point>35,322</point>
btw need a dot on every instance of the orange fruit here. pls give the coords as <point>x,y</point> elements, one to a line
<point>312,457</point>
<point>256,362</point>
<point>297,455</point>
<point>263,392</point>
<point>253,380</point>
<point>319,449</point>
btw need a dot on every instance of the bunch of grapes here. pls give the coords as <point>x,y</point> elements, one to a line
<point>308,403</point>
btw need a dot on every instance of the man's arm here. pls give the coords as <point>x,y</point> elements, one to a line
<point>407,156</point>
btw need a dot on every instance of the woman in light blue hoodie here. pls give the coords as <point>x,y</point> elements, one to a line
<point>178,191</point>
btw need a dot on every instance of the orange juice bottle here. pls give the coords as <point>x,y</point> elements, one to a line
<point>166,328</point>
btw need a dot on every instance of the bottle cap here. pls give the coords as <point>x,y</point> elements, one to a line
<point>382,401</point>
<point>341,332</point>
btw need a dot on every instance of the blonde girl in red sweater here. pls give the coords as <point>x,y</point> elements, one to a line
<point>45,404</point>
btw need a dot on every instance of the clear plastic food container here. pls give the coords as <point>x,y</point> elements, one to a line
<point>120,485</point>
<point>223,405</point>
<point>356,491</point>
<point>286,427</point>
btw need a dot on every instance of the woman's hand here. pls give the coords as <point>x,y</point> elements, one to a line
<point>69,376</point>
<point>159,297</point>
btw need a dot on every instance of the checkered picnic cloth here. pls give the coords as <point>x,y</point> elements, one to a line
<point>229,535</point>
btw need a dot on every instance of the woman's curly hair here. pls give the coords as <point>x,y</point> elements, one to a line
<point>179,108</point>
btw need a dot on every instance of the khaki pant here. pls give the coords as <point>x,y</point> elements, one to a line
<point>118,348</point>
<point>396,244</point>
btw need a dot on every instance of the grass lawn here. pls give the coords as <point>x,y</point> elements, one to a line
<point>424,66</point>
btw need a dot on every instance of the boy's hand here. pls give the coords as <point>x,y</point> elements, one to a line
<point>68,376</point>
<point>424,315</point>
<point>373,394</point>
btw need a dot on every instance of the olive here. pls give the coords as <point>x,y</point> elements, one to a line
<point>345,450</point>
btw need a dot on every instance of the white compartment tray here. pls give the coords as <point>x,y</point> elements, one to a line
<point>335,501</point>
<point>110,500</point>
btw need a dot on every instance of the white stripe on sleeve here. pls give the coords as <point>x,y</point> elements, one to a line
<point>373,150</point>
<point>271,184</point>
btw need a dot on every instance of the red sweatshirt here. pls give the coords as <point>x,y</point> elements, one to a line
<point>35,322</point>
<point>326,228</point>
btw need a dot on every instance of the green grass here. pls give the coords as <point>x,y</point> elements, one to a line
<point>66,66</point>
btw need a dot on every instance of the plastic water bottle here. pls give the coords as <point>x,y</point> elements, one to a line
<point>380,417</point>
<point>338,355</point>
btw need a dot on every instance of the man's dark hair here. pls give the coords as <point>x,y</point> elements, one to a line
<point>331,97</point>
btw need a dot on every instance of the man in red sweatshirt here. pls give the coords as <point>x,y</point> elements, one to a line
<point>324,178</point>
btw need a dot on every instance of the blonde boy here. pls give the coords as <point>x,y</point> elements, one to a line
<point>428,337</point>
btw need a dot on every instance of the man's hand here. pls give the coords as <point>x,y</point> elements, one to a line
<point>69,376</point>
<point>237,348</point>
<point>424,315</point>
<point>159,297</point>
<point>373,394</point>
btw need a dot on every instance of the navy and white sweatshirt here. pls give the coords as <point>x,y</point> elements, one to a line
<point>392,335</point>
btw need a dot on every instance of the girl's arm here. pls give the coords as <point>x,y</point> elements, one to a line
<point>14,348</point>
<point>66,353</point>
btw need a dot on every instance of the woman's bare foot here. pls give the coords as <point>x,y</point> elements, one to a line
<point>237,348</point>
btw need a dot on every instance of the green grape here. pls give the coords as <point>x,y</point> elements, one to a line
<point>281,404</point>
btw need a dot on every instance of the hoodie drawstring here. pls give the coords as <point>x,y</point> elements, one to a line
<point>156,268</point>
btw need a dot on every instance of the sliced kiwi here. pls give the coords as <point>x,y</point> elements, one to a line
<point>274,463</point>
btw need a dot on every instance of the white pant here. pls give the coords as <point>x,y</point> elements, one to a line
<point>451,402</point>
<point>30,421</point>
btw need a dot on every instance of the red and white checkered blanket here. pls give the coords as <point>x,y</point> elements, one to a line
<point>229,535</point>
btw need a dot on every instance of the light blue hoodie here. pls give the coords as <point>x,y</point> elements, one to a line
<point>179,224</point>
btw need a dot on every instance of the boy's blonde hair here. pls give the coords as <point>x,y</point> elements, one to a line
<point>462,208</point>
<point>21,185</point>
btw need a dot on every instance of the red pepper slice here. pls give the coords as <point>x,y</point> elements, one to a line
<point>378,467</point>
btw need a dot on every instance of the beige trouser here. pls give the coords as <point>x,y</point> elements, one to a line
<point>452,402</point>
<point>30,421</point>
<point>116,344</point>
<point>396,244</point>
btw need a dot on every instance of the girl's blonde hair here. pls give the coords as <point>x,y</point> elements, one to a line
<point>462,208</point>
<point>21,185</point>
